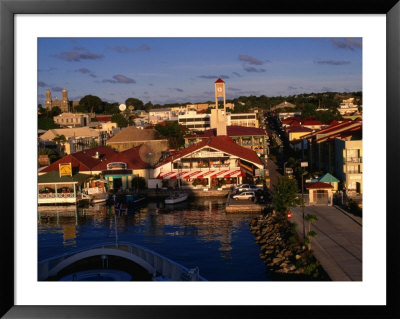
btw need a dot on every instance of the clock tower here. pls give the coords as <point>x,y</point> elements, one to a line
<point>219,92</point>
<point>218,116</point>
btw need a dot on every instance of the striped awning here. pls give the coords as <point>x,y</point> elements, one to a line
<point>182,175</point>
<point>201,174</point>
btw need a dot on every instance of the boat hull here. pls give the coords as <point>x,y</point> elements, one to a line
<point>178,199</point>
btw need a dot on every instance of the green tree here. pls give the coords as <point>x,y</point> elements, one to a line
<point>52,154</point>
<point>55,110</point>
<point>41,111</point>
<point>311,219</point>
<point>136,103</point>
<point>120,120</point>
<point>327,116</point>
<point>60,140</point>
<point>174,132</point>
<point>110,108</point>
<point>148,106</point>
<point>93,144</point>
<point>91,103</point>
<point>45,123</point>
<point>285,194</point>
<point>308,111</point>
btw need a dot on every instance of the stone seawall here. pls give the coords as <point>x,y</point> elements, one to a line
<point>281,251</point>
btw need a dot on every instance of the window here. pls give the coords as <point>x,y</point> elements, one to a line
<point>353,169</point>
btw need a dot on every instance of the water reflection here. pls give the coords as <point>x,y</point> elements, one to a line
<point>194,233</point>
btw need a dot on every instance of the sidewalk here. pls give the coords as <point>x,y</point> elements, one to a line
<point>338,245</point>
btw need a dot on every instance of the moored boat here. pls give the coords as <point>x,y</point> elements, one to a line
<point>99,198</point>
<point>176,197</point>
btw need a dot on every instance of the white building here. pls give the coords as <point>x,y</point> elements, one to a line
<point>194,121</point>
<point>347,107</point>
<point>243,119</point>
<point>72,119</point>
<point>161,115</point>
<point>214,162</point>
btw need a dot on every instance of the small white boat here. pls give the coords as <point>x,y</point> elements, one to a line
<point>99,198</point>
<point>176,197</point>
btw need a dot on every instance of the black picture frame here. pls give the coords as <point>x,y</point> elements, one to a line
<point>8,10</point>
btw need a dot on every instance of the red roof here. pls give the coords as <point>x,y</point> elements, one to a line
<point>104,118</point>
<point>131,157</point>
<point>219,81</point>
<point>333,129</point>
<point>222,143</point>
<point>292,121</point>
<point>343,134</point>
<point>312,122</point>
<point>235,130</point>
<point>318,185</point>
<point>298,129</point>
<point>83,160</point>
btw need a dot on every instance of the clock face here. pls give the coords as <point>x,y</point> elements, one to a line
<point>219,89</point>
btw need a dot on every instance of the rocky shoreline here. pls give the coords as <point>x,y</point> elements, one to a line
<point>281,250</point>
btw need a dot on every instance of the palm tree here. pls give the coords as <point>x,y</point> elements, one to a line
<point>312,219</point>
<point>60,140</point>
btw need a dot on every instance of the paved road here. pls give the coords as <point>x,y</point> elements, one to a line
<point>273,172</point>
<point>338,245</point>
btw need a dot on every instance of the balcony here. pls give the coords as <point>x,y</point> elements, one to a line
<point>354,160</point>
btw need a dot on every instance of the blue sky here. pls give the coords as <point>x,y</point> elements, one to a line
<point>177,70</point>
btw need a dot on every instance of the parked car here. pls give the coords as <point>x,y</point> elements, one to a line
<point>245,195</point>
<point>248,187</point>
<point>240,187</point>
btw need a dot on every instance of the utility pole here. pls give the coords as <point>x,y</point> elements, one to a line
<point>303,164</point>
<point>302,204</point>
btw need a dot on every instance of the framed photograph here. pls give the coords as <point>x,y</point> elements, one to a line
<point>361,50</point>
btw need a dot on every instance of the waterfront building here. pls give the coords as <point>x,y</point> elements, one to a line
<point>131,136</point>
<point>214,162</point>
<point>84,161</point>
<point>61,186</point>
<point>120,168</point>
<point>117,168</point>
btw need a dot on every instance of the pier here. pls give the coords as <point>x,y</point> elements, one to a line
<point>242,206</point>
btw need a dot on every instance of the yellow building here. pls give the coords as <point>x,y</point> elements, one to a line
<point>243,119</point>
<point>131,136</point>
<point>296,132</point>
<point>349,166</point>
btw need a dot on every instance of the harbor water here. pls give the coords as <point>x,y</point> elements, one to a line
<point>195,233</point>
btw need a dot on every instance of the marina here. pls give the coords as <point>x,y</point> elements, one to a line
<point>197,233</point>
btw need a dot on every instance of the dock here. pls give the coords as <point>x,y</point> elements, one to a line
<point>242,206</point>
<point>193,193</point>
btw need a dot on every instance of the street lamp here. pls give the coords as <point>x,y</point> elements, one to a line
<point>303,164</point>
